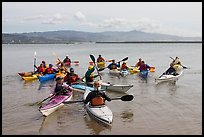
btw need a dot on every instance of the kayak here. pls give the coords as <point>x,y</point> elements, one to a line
<point>101,64</point>
<point>83,87</point>
<point>134,70</point>
<point>124,72</point>
<point>143,74</point>
<point>55,103</point>
<point>46,77</point>
<point>100,113</point>
<point>115,87</point>
<point>25,74</point>
<point>165,78</point>
<point>32,77</point>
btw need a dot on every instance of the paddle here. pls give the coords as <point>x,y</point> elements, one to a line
<point>60,61</point>
<point>180,64</point>
<point>39,103</point>
<point>34,60</point>
<point>93,59</point>
<point>123,98</point>
<point>152,69</point>
<point>126,58</point>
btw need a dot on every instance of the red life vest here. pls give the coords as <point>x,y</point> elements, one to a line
<point>49,71</point>
<point>97,101</point>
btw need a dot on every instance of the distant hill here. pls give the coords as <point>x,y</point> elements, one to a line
<point>70,36</point>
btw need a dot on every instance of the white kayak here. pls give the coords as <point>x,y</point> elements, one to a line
<point>170,78</point>
<point>100,113</point>
<point>124,73</point>
<point>115,87</point>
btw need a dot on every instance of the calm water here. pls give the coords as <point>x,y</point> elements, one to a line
<point>156,109</point>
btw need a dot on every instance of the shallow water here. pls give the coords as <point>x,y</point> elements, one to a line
<point>164,108</point>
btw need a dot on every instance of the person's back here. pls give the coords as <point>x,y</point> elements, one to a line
<point>100,59</point>
<point>144,66</point>
<point>138,64</point>
<point>67,59</point>
<point>50,70</point>
<point>89,75</point>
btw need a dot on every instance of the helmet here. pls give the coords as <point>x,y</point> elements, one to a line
<point>96,84</point>
<point>59,78</point>
<point>90,67</point>
<point>71,69</point>
<point>50,65</point>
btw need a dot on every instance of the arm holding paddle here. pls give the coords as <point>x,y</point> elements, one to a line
<point>177,59</point>
<point>126,58</point>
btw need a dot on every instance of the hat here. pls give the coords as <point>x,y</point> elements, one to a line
<point>71,69</point>
<point>59,78</point>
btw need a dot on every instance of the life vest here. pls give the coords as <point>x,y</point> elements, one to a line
<point>49,71</point>
<point>41,69</point>
<point>123,67</point>
<point>143,67</point>
<point>97,101</point>
<point>100,59</point>
<point>177,68</point>
<point>138,64</point>
<point>72,78</point>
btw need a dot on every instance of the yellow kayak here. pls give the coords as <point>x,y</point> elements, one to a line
<point>32,77</point>
<point>101,64</point>
<point>134,70</point>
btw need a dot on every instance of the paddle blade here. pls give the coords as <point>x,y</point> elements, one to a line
<point>92,58</point>
<point>152,69</point>
<point>127,98</point>
<point>124,98</point>
<point>125,59</point>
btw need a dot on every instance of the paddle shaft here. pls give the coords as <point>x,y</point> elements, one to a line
<point>123,98</point>
<point>180,64</point>
<point>126,58</point>
<point>34,60</point>
<point>93,59</point>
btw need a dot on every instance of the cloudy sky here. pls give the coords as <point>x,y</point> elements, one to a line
<point>177,18</point>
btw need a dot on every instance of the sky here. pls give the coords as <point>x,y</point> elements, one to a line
<point>174,18</point>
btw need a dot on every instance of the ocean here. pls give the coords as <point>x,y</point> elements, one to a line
<point>157,109</point>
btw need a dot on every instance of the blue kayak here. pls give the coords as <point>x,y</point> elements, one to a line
<point>143,74</point>
<point>83,87</point>
<point>46,77</point>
